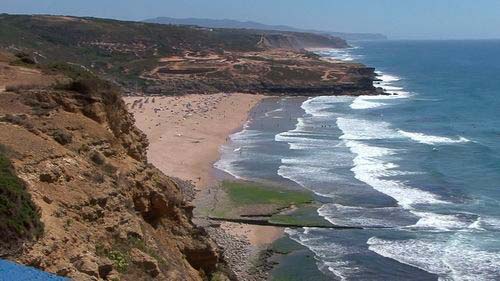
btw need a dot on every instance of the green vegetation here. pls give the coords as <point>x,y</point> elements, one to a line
<point>120,260</point>
<point>134,242</point>
<point>71,71</point>
<point>123,51</point>
<point>118,49</point>
<point>255,193</point>
<point>19,217</point>
<point>119,253</point>
<point>218,276</point>
<point>274,204</point>
<point>24,59</point>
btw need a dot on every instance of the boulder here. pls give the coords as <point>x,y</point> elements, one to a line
<point>143,260</point>
<point>105,268</point>
<point>87,264</point>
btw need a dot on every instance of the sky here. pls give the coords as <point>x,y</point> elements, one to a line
<point>398,19</point>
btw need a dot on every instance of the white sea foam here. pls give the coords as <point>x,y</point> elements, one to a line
<point>432,140</point>
<point>367,102</point>
<point>320,147</point>
<point>330,254</point>
<point>486,223</point>
<point>452,258</point>
<point>360,129</point>
<point>386,83</point>
<point>371,164</point>
<point>442,222</point>
<point>273,112</point>
<point>318,106</point>
<point>236,151</point>
<point>387,78</point>
<point>339,54</point>
<point>362,102</point>
<point>365,217</point>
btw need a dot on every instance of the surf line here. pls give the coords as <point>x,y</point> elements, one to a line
<point>268,223</point>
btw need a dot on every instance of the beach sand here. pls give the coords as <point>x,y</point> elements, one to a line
<point>185,134</point>
<point>257,235</point>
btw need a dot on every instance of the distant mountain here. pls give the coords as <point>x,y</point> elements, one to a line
<point>227,23</point>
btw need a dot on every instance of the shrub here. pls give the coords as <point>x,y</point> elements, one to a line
<point>63,137</point>
<point>20,87</point>
<point>24,58</point>
<point>71,71</point>
<point>119,259</point>
<point>19,217</point>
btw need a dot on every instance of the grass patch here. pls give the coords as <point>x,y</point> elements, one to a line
<point>249,193</point>
<point>19,217</point>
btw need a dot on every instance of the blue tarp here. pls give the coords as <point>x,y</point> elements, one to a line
<point>10,271</point>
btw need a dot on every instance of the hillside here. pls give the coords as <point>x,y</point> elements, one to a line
<point>102,211</point>
<point>227,23</point>
<point>167,59</point>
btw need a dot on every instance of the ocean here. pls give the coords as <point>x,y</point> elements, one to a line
<point>419,170</point>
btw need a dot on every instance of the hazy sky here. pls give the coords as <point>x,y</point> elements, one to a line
<point>438,19</point>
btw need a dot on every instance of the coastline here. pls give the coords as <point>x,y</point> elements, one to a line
<point>185,132</point>
<point>185,135</point>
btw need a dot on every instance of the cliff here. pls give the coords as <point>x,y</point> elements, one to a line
<point>298,41</point>
<point>272,72</point>
<point>106,212</point>
<point>167,59</point>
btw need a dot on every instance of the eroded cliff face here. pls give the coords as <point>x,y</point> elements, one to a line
<point>298,41</point>
<point>107,213</point>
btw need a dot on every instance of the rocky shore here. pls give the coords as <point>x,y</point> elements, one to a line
<point>107,214</point>
<point>108,207</point>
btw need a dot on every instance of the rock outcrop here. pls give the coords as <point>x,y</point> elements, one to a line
<point>175,60</point>
<point>107,213</point>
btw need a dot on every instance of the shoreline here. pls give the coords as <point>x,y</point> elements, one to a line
<point>186,132</point>
<point>185,135</point>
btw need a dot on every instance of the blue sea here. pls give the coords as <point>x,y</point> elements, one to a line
<point>419,170</point>
<point>10,271</point>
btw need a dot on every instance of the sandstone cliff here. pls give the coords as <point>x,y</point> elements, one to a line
<point>107,213</point>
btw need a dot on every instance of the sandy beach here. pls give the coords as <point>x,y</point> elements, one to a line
<point>185,134</point>
<point>256,235</point>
